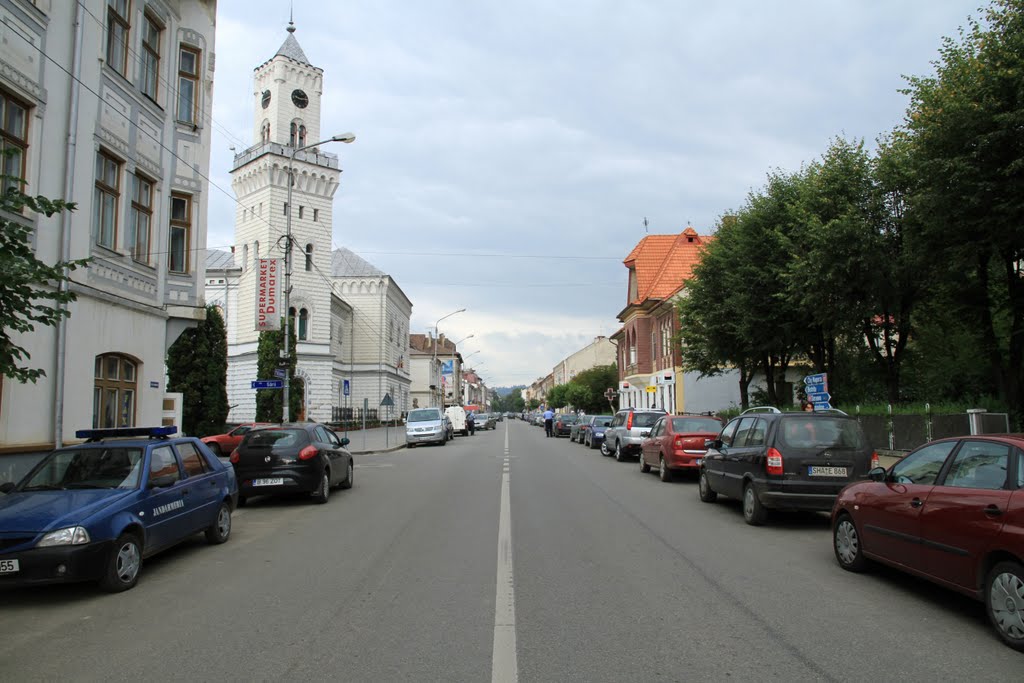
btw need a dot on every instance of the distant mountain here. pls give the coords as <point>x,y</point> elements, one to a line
<point>505,391</point>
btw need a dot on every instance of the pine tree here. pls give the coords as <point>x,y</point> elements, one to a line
<point>197,367</point>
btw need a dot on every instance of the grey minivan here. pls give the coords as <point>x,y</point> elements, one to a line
<point>425,425</point>
<point>628,430</point>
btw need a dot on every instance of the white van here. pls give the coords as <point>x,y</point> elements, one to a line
<point>457,414</point>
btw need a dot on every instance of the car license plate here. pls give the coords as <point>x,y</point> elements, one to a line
<point>8,566</point>
<point>818,471</point>
<point>697,462</point>
<point>275,481</point>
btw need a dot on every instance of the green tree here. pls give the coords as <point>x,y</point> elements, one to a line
<point>588,387</point>
<point>31,292</point>
<point>269,402</point>
<point>557,397</point>
<point>533,404</point>
<point>197,366</point>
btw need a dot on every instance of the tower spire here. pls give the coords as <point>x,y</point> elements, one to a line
<point>291,17</point>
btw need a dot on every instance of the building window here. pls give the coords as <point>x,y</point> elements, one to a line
<point>300,211</point>
<point>117,35</point>
<point>302,136</point>
<point>265,132</point>
<point>292,130</point>
<point>245,257</point>
<point>285,213</point>
<point>114,388</point>
<point>13,141</point>
<point>303,324</point>
<point>180,233</point>
<point>140,219</point>
<point>256,250</point>
<point>309,257</point>
<point>107,196</point>
<point>151,30</point>
<point>188,84</point>
<point>316,214</point>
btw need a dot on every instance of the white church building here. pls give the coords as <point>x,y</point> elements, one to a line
<point>351,319</point>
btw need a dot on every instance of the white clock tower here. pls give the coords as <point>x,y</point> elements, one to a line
<point>286,106</point>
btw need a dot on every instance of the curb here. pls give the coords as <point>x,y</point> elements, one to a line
<point>392,449</point>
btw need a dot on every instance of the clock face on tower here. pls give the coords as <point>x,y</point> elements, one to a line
<point>266,99</point>
<point>299,99</point>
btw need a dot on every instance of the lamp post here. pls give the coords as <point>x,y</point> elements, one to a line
<point>344,137</point>
<point>433,363</point>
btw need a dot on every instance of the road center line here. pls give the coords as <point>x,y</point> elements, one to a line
<point>504,668</point>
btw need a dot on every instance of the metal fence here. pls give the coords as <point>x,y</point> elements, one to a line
<point>353,415</point>
<point>907,432</point>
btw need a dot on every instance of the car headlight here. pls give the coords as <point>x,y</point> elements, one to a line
<point>73,535</point>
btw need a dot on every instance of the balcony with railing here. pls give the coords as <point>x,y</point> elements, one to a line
<point>311,156</point>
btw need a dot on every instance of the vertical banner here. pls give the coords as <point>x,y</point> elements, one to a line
<point>268,315</point>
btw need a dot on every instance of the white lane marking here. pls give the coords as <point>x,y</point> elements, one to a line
<point>504,667</point>
<point>506,439</point>
<point>365,465</point>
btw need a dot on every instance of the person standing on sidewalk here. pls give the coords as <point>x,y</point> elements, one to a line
<point>470,422</point>
<point>549,422</point>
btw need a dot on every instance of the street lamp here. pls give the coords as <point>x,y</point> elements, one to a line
<point>344,137</point>
<point>433,363</point>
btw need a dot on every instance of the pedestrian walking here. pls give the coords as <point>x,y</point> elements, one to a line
<point>549,422</point>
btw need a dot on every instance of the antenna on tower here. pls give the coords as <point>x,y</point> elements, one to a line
<point>645,224</point>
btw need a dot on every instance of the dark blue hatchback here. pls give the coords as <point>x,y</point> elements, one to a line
<point>92,512</point>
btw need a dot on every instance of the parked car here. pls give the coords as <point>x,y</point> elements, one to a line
<point>594,429</point>
<point>952,512</point>
<point>223,444</point>
<point>676,444</point>
<point>426,425</point>
<point>576,431</point>
<point>303,457</point>
<point>94,511</point>
<point>485,421</point>
<point>796,461</point>
<point>457,415</point>
<point>627,432</point>
<point>563,423</point>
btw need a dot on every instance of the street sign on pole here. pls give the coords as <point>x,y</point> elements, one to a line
<point>267,384</point>
<point>821,378</point>
<point>822,406</point>
<point>387,401</point>
<point>819,398</point>
<point>280,373</point>
<point>346,388</point>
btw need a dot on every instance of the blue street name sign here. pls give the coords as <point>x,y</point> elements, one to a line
<point>811,380</point>
<point>822,406</point>
<point>814,389</point>
<point>268,384</point>
<point>346,388</point>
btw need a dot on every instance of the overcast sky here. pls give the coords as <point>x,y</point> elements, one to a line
<point>508,151</point>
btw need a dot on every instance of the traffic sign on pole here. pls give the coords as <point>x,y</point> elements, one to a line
<point>821,378</point>
<point>268,384</point>
<point>819,398</point>
<point>822,406</point>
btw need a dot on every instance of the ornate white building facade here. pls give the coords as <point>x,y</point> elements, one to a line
<point>346,313</point>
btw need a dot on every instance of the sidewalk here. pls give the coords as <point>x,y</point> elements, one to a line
<point>376,440</point>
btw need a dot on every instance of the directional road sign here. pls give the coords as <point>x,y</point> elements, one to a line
<point>819,398</point>
<point>821,378</point>
<point>268,384</point>
<point>822,406</point>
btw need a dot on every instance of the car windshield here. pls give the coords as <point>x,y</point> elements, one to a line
<point>424,415</point>
<point>276,438</point>
<point>100,467</point>
<point>646,419</point>
<point>821,432</point>
<point>695,424</point>
<point>569,419</point>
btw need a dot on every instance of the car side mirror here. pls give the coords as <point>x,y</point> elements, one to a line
<point>162,482</point>
<point>7,487</point>
<point>878,474</point>
<point>712,443</point>
<point>345,441</point>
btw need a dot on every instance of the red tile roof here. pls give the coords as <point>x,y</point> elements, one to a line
<point>664,263</point>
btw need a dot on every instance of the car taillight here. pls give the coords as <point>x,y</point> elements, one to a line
<point>678,443</point>
<point>874,460</point>
<point>234,456</point>
<point>629,421</point>
<point>774,461</point>
<point>308,452</point>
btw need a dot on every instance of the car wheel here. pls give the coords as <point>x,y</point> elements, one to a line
<point>323,491</point>
<point>664,473</point>
<point>219,531</point>
<point>619,455</point>
<point>1004,602</point>
<point>350,475</point>
<point>604,449</point>
<point>847,545</point>
<point>707,494</point>
<point>124,564</point>
<point>754,513</point>
<point>644,467</point>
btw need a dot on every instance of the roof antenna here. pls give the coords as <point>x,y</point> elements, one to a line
<point>291,17</point>
<point>645,223</point>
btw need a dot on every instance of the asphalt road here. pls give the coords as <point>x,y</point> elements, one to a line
<point>609,575</point>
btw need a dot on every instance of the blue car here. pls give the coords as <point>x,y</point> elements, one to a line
<point>92,512</point>
<point>597,425</point>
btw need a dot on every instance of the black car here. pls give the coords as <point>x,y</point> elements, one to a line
<point>292,458</point>
<point>795,461</point>
<point>563,424</point>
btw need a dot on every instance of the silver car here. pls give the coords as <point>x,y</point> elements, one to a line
<point>627,432</point>
<point>426,425</point>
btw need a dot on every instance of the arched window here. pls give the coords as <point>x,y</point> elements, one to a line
<point>303,323</point>
<point>265,132</point>
<point>302,136</point>
<point>115,385</point>
<point>309,257</point>
<point>256,250</point>
<point>292,134</point>
<point>245,257</point>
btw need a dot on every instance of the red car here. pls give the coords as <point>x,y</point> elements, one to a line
<point>952,512</point>
<point>676,443</point>
<point>223,444</point>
